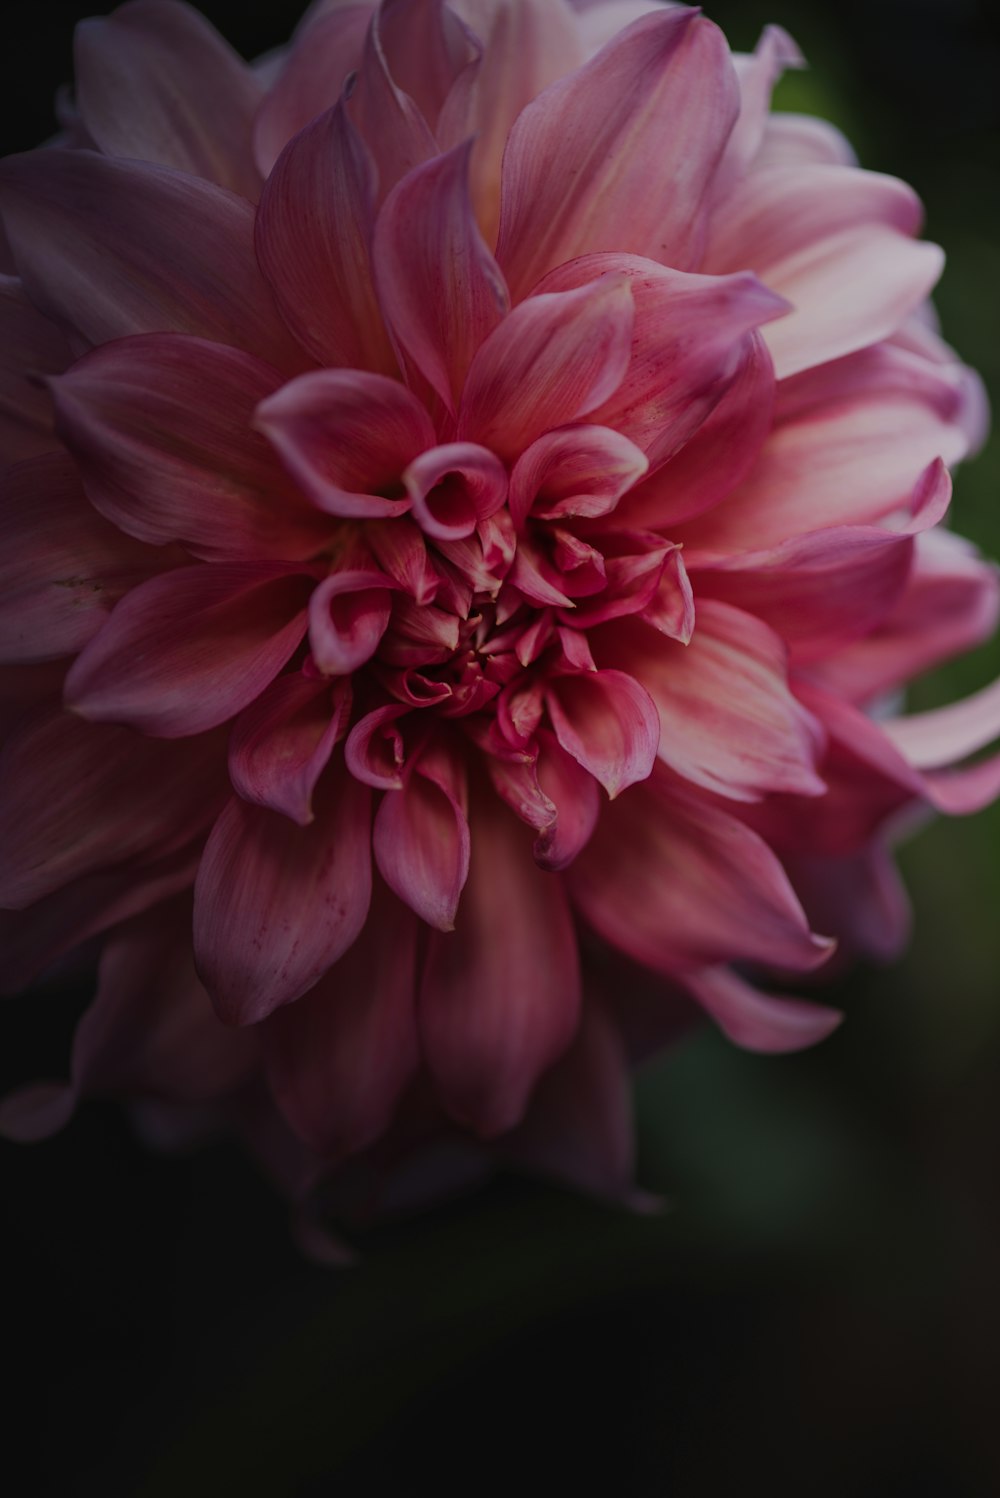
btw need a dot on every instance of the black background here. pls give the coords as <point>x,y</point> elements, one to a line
<point>816,1313</point>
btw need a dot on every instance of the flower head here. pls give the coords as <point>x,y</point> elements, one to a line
<point>475,486</point>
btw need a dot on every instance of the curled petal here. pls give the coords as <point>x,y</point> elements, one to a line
<point>281,743</point>
<point>421,837</point>
<point>453,488</point>
<point>374,752</point>
<point>608,723</point>
<point>576,470</point>
<point>760,1021</point>
<point>348,615</point>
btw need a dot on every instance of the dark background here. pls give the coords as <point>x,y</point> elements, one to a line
<point>817,1311</point>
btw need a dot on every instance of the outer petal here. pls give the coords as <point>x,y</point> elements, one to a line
<point>161,428</point>
<point>440,288</point>
<point>62,566</point>
<point>421,837</point>
<point>495,1011</point>
<point>608,723</point>
<point>29,347</point>
<point>312,235</point>
<point>276,905</point>
<point>727,720</point>
<point>394,130</point>
<point>554,359</point>
<point>620,155</point>
<point>281,743</point>
<point>679,884</point>
<point>346,437</point>
<point>312,79</point>
<point>338,1059</point>
<point>156,82</point>
<point>184,652</point>
<point>108,248</point>
<point>75,798</point>
<point>759,1021</point>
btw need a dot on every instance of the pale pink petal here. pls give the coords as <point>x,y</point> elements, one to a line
<point>727,719</point>
<point>500,996</point>
<point>109,248</point>
<point>346,437</point>
<point>421,836</point>
<point>620,155</point>
<point>440,289</point>
<point>156,82</point>
<point>161,428</point>
<point>348,615</point>
<point>760,1021</point>
<point>944,735</point>
<point>338,1059</point>
<point>76,798</point>
<point>608,723</point>
<point>62,566</point>
<point>30,349</point>
<point>312,236</point>
<point>426,48</point>
<point>527,44</point>
<point>678,883</point>
<point>758,73</point>
<point>276,905</point>
<point>311,80</point>
<point>556,358</point>
<point>838,245</point>
<point>185,651</point>
<point>281,743</point>
<point>454,487</point>
<point>576,470</point>
<point>393,128</point>
<point>802,140</point>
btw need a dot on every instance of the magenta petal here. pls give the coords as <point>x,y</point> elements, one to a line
<point>676,882</point>
<point>399,549</point>
<point>161,428</point>
<point>495,1012</point>
<point>312,236</point>
<point>554,359</point>
<point>760,1021</point>
<point>608,723</point>
<point>348,615</point>
<point>374,752</point>
<point>62,566</point>
<point>276,905</point>
<point>452,488</point>
<point>421,837</point>
<point>281,743</point>
<point>156,82</point>
<point>440,288</point>
<point>346,437</point>
<point>576,802</point>
<point>338,1059</point>
<point>581,470</point>
<point>109,248</point>
<point>185,651</point>
<point>76,798</point>
<point>620,155</point>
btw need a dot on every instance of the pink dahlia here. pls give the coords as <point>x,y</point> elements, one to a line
<point>475,494</point>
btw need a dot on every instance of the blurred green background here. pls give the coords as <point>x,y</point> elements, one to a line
<point>815,1312</point>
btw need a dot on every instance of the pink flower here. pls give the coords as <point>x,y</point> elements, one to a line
<point>475,493</point>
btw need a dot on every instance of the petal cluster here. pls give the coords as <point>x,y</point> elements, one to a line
<point>474,491</point>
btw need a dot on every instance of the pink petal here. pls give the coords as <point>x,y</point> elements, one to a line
<point>452,488</point>
<point>859,898</point>
<point>30,348</point>
<point>156,82</point>
<point>398,547</point>
<point>838,245</point>
<point>312,237</point>
<point>426,48</point>
<point>775,51</point>
<point>348,615</point>
<point>760,1021</point>
<point>582,470</point>
<point>421,837</point>
<point>500,995</point>
<point>346,437</point>
<point>608,723</point>
<point>393,128</point>
<point>440,288</point>
<point>339,1058</point>
<point>62,566</point>
<point>281,743</point>
<point>276,905</point>
<point>184,652</point>
<point>110,248</point>
<point>75,798</point>
<point>161,429</point>
<point>802,140</point>
<point>620,155</point>
<point>727,719</point>
<point>944,735</point>
<point>374,752</point>
<point>527,44</point>
<point>311,81</point>
<point>678,883</point>
<point>575,799</point>
<point>554,359</point>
